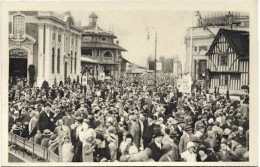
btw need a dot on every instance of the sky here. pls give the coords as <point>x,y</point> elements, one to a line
<point>130,28</point>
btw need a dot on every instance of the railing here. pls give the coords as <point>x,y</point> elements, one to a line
<point>33,148</point>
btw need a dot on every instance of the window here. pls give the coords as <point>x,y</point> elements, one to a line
<point>223,80</point>
<point>58,61</point>
<point>76,42</point>
<point>104,39</point>
<point>87,52</point>
<point>18,25</point>
<point>195,48</point>
<point>59,38</point>
<point>245,24</point>
<point>75,63</point>
<point>54,36</point>
<point>223,60</point>
<point>71,61</point>
<point>72,41</point>
<point>108,54</point>
<point>202,48</point>
<point>52,60</point>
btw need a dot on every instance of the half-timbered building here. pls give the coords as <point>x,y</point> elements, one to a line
<point>228,63</point>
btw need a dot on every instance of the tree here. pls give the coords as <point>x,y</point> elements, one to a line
<point>31,70</point>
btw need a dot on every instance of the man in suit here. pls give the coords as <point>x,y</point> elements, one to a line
<point>185,138</point>
<point>135,131</point>
<point>44,121</point>
<point>228,123</point>
<point>156,147</point>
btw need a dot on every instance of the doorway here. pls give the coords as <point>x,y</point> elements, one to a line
<point>18,67</point>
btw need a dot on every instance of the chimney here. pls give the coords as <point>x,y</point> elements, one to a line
<point>117,42</point>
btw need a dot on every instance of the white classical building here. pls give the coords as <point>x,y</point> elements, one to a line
<point>49,41</point>
<point>196,59</point>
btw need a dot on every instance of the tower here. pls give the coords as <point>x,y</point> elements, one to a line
<point>93,19</point>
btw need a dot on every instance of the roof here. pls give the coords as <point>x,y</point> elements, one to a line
<point>88,60</point>
<point>239,41</point>
<point>102,45</point>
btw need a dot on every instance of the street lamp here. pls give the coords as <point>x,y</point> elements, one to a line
<point>155,50</point>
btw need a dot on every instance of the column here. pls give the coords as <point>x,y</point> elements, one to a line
<point>62,54</point>
<point>40,54</point>
<point>48,53</point>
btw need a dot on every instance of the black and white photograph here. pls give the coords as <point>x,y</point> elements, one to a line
<point>113,86</point>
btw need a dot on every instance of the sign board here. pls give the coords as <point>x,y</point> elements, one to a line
<point>85,80</point>
<point>184,84</point>
<point>158,66</point>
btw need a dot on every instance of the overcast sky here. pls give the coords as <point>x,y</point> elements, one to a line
<point>130,28</point>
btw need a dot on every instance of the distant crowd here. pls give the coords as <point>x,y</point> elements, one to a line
<point>128,120</point>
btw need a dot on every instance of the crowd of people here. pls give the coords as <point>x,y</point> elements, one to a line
<point>127,121</point>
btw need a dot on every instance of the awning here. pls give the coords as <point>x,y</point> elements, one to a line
<point>88,60</point>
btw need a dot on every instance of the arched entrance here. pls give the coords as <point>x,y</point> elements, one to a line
<point>18,63</point>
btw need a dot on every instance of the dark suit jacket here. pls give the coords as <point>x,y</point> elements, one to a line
<point>156,151</point>
<point>44,122</point>
<point>226,126</point>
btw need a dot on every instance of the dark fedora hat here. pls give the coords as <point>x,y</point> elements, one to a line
<point>157,134</point>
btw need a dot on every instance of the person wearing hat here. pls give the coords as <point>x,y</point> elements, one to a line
<point>45,138</point>
<point>185,138</point>
<point>156,146</point>
<point>61,130</point>
<point>44,120</point>
<point>225,154</point>
<point>17,129</point>
<point>127,147</point>
<point>101,150</point>
<point>68,118</point>
<point>53,144</point>
<point>67,149</point>
<point>228,123</point>
<point>135,131</point>
<point>189,155</point>
<point>238,148</point>
<point>148,131</point>
<point>179,128</point>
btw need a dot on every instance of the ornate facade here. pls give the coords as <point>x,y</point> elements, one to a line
<point>100,51</point>
<point>47,40</point>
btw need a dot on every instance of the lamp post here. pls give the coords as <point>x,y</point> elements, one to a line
<point>155,49</point>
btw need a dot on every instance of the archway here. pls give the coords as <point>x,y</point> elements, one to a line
<point>18,63</point>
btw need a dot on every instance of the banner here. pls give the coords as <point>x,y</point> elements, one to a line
<point>184,84</point>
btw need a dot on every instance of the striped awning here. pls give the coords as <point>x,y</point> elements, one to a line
<point>88,60</point>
